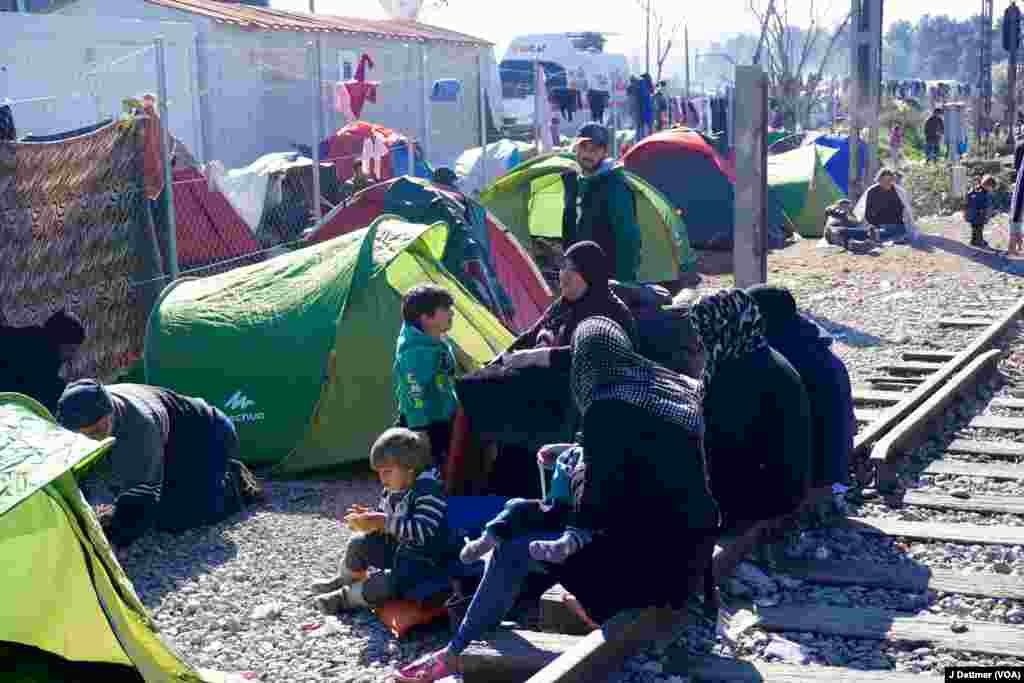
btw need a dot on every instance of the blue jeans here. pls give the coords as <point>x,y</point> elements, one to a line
<point>931,150</point>
<point>498,590</point>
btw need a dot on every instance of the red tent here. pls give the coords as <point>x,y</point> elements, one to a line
<point>209,230</point>
<point>515,270</point>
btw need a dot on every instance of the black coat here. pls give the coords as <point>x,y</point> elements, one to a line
<point>758,437</point>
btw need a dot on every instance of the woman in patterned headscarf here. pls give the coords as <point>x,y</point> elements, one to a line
<point>756,412</point>
<point>643,491</point>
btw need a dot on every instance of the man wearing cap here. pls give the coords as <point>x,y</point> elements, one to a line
<point>600,206</point>
<point>170,466</point>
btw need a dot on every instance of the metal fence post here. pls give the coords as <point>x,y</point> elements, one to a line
<point>313,53</point>
<point>425,96</point>
<point>483,117</point>
<point>165,154</point>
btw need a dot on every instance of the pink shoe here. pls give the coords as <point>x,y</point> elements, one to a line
<point>432,667</point>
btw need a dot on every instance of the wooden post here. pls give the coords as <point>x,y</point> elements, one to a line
<point>865,90</point>
<point>750,244</point>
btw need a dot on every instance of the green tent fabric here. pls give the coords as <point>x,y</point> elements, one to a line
<point>800,182</point>
<point>65,595</point>
<point>529,199</point>
<point>298,350</point>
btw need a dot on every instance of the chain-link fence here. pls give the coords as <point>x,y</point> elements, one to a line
<point>242,117</point>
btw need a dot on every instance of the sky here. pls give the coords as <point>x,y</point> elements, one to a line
<point>501,20</point>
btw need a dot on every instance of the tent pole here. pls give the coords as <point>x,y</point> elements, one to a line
<point>165,155</point>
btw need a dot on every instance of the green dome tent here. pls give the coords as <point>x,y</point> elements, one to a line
<point>70,612</point>
<point>298,350</point>
<point>800,182</point>
<point>529,199</point>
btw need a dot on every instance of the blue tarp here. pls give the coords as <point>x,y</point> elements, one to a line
<point>446,90</point>
<point>400,162</point>
<point>839,165</point>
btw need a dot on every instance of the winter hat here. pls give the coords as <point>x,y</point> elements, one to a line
<point>64,327</point>
<point>590,261</point>
<point>83,403</point>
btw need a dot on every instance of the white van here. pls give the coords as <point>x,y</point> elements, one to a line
<point>564,66</point>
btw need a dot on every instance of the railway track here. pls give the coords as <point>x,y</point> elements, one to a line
<point>908,506</point>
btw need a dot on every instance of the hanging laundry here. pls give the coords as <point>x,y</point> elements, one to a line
<point>542,132</point>
<point>7,129</point>
<point>598,101</point>
<point>446,90</point>
<point>374,149</point>
<point>343,102</point>
<point>152,163</point>
<point>360,90</point>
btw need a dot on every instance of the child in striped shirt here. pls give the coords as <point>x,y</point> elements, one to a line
<point>406,539</point>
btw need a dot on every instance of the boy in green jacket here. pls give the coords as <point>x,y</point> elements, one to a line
<point>425,367</point>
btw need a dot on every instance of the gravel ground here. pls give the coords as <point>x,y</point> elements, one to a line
<point>234,596</point>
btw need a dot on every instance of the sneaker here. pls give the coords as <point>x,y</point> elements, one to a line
<point>432,667</point>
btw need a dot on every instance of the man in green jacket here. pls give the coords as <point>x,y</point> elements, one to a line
<point>600,206</point>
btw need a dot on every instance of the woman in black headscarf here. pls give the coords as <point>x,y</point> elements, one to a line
<point>523,399</point>
<point>583,280</point>
<point>756,412</point>
<point>643,486</point>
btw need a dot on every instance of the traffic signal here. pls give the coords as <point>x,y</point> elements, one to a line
<point>1011,28</point>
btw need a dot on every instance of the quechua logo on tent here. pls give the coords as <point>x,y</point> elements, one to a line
<point>238,403</point>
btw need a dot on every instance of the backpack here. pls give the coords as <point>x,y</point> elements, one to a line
<point>973,212</point>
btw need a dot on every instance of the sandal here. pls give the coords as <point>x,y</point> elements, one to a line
<point>429,668</point>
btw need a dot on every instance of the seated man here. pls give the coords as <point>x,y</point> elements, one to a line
<point>171,465</point>
<point>885,208</point>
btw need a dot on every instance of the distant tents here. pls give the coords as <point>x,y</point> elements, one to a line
<point>798,180</point>
<point>687,170</point>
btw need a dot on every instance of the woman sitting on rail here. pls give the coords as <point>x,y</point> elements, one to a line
<point>644,477</point>
<point>756,410</point>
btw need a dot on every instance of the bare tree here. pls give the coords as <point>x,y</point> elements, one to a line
<point>795,58</point>
<point>663,34</point>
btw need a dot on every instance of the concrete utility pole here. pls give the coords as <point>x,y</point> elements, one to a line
<point>1011,43</point>
<point>750,243</point>
<point>984,109</point>
<point>865,90</point>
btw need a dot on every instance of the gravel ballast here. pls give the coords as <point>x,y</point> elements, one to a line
<point>234,596</point>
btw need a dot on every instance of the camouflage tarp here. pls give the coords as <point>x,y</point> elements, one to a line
<point>78,234</point>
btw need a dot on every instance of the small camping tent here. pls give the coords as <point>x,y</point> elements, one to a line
<point>800,183</point>
<point>298,349</point>
<point>501,157</point>
<point>839,165</point>
<point>698,182</point>
<point>530,199</point>
<point>65,595</point>
<point>480,251</point>
<point>346,145</point>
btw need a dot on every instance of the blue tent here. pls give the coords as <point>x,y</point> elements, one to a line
<point>839,165</point>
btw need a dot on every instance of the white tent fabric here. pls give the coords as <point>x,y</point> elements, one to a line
<point>501,156</point>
